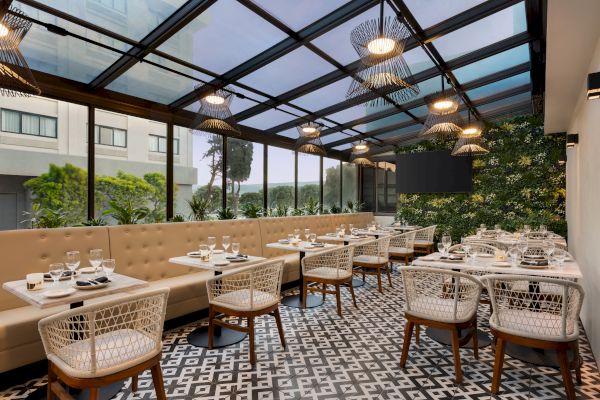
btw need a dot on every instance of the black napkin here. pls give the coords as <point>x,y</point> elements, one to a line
<point>238,257</point>
<point>316,244</point>
<point>64,274</point>
<point>452,257</point>
<point>535,262</point>
<point>99,280</point>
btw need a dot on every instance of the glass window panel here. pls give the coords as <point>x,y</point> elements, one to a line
<point>131,18</point>
<point>224,36</point>
<point>345,146</point>
<point>153,143</point>
<point>500,86</point>
<point>331,182</point>
<point>96,134</point>
<point>334,137</point>
<point>431,12</point>
<point>106,136</point>
<point>387,121</point>
<point>484,32</point>
<point>162,145</point>
<point>237,104</point>
<point>120,138</point>
<point>396,133</point>
<point>30,124</point>
<point>392,196</point>
<point>493,64</point>
<point>299,13</point>
<point>244,175</point>
<point>280,174</point>
<point>523,97</point>
<point>324,97</point>
<point>66,56</point>
<point>308,179</point>
<point>336,42</point>
<point>176,147</point>
<point>48,127</point>
<point>156,84</point>
<point>419,111</point>
<point>349,185</point>
<point>290,133</point>
<point>268,119</point>
<point>368,189</point>
<point>288,72</point>
<point>417,60</point>
<point>11,121</point>
<point>350,114</point>
<point>380,188</point>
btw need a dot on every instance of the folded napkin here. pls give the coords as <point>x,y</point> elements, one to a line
<point>452,257</point>
<point>316,244</point>
<point>91,282</point>
<point>535,262</point>
<point>238,257</point>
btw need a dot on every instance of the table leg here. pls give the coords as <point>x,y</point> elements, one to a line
<point>444,336</point>
<point>355,281</point>
<point>223,336</point>
<point>296,300</point>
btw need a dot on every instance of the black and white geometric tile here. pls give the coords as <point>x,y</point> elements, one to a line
<point>354,357</point>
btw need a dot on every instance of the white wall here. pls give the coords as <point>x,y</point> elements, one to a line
<point>583,202</point>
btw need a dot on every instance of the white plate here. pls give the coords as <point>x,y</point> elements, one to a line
<point>534,266</point>
<point>221,263</point>
<point>503,264</point>
<point>87,270</point>
<point>484,255</point>
<point>446,260</point>
<point>283,241</point>
<point>194,254</point>
<point>92,287</point>
<point>58,293</point>
<point>217,251</point>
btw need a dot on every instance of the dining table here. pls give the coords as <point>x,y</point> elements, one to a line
<point>512,240</point>
<point>404,228</point>
<point>218,263</point>
<point>485,264</point>
<point>377,233</point>
<point>346,240</point>
<point>118,284</point>
<point>302,247</point>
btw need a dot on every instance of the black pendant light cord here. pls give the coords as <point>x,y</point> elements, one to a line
<point>381,18</point>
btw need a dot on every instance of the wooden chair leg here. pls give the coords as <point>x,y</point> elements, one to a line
<point>379,280</point>
<point>389,276</point>
<point>93,393</point>
<point>211,327</point>
<point>324,289</point>
<point>456,354</point>
<point>577,362</point>
<point>363,276</point>
<point>159,384</point>
<point>498,364</point>
<point>304,293</point>
<point>51,380</point>
<point>563,361</point>
<point>251,337</point>
<point>279,326</point>
<point>134,383</point>
<point>406,345</point>
<point>475,341</point>
<point>338,299</point>
<point>406,259</point>
<point>418,334</point>
<point>352,294</point>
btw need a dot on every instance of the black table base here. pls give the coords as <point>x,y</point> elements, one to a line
<point>356,282</point>
<point>540,357</point>
<point>223,337</point>
<point>444,336</point>
<point>105,393</point>
<point>295,301</point>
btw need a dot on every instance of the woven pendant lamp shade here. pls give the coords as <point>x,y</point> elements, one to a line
<point>365,162</point>
<point>443,120</point>
<point>214,114</point>
<point>16,79</point>
<point>376,40</point>
<point>469,145</point>
<point>309,140</point>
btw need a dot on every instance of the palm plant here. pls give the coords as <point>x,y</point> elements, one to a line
<point>94,222</point>
<point>127,214</point>
<point>335,209</point>
<point>199,207</point>
<point>45,217</point>
<point>177,218</point>
<point>296,212</point>
<point>251,210</point>
<point>353,206</point>
<point>311,207</point>
<point>225,213</point>
<point>281,210</point>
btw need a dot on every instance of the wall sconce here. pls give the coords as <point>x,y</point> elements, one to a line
<point>572,140</point>
<point>593,91</point>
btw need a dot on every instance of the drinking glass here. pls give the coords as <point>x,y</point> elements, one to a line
<point>212,243</point>
<point>351,228</point>
<point>225,240</point>
<point>343,229</point>
<point>313,237</point>
<point>522,246</point>
<point>513,255</point>
<point>483,227</point>
<point>474,253</point>
<point>549,247</point>
<point>108,265</point>
<point>543,229</point>
<point>297,233</point>
<point>497,228</point>
<point>467,249</point>
<point>306,234</point>
<point>478,232</point>
<point>560,255</point>
<point>290,237</point>
<point>441,248</point>
<point>204,251</point>
<point>72,259</point>
<point>235,248</point>
<point>56,271</point>
<point>96,259</point>
<point>446,241</point>
<point>526,229</point>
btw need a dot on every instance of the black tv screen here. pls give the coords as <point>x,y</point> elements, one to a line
<point>433,172</point>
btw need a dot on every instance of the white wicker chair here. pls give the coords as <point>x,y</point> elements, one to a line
<point>424,239</point>
<point>99,344</point>
<point>402,247</point>
<point>480,248</point>
<point>431,301</point>
<point>489,242</point>
<point>544,317</point>
<point>332,267</point>
<point>373,256</point>
<point>246,293</point>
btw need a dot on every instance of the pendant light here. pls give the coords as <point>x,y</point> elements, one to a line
<point>380,44</point>
<point>360,147</point>
<point>443,119</point>
<point>214,114</point>
<point>309,140</point>
<point>358,154</point>
<point>469,141</point>
<point>16,78</point>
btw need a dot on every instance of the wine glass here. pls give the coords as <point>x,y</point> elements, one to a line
<point>513,254</point>
<point>446,241</point>
<point>543,229</point>
<point>96,259</point>
<point>108,265</point>
<point>235,249</point>
<point>212,243</point>
<point>549,248</point>
<point>526,229</point>
<point>56,271</point>
<point>560,255</point>
<point>72,259</point>
<point>226,241</point>
<point>441,248</point>
<point>297,233</point>
<point>522,246</point>
<point>351,228</point>
<point>313,237</point>
<point>306,234</point>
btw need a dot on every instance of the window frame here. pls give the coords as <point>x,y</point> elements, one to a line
<point>159,137</point>
<point>97,136</point>
<point>39,116</point>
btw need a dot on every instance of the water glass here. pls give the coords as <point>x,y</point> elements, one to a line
<point>543,229</point>
<point>446,241</point>
<point>108,265</point>
<point>297,233</point>
<point>96,259</point>
<point>290,237</point>
<point>522,246</point>
<point>526,229</point>
<point>513,255</point>
<point>204,251</point>
<point>560,255</point>
<point>226,241</point>
<point>313,237</point>
<point>478,233</point>
<point>441,248</point>
<point>72,260</point>
<point>306,234</point>
<point>212,243</point>
<point>343,229</point>
<point>235,248</point>
<point>549,248</point>
<point>351,228</point>
<point>497,228</point>
<point>483,227</point>
<point>56,270</point>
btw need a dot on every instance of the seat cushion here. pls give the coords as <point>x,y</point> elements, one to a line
<point>441,309</point>
<point>363,259</point>
<point>116,350</point>
<point>245,300</point>
<point>399,251</point>
<point>328,273</point>
<point>532,324</point>
<point>423,243</point>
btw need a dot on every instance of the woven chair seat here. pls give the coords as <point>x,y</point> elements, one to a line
<point>441,309</point>
<point>400,251</point>
<point>423,242</point>
<point>328,273</point>
<point>245,300</point>
<point>534,324</point>
<point>118,349</point>
<point>366,259</point>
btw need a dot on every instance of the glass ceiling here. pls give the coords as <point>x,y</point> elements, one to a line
<point>229,37</point>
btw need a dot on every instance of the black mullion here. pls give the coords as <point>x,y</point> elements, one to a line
<point>91,162</point>
<point>265,178</point>
<point>224,174</point>
<point>341,183</point>
<point>170,171</point>
<point>321,184</point>
<point>295,179</point>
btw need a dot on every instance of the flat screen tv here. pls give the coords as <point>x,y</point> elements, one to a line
<point>433,172</point>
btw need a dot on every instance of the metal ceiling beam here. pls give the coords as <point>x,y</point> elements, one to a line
<point>176,21</point>
<point>323,25</point>
<point>507,73</point>
<point>467,17</point>
<point>536,12</point>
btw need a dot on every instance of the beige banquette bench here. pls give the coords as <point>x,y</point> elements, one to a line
<point>141,251</point>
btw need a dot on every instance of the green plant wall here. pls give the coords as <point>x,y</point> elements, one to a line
<point>520,181</point>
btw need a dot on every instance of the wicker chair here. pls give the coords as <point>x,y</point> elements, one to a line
<point>332,267</point>
<point>430,302</point>
<point>542,319</point>
<point>402,247</point>
<point>424,240</point>
<point>490,242</point>
<point>373,256</point>
<point>95,345</point>
<point>245,293</point>
<point>480,248</point>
